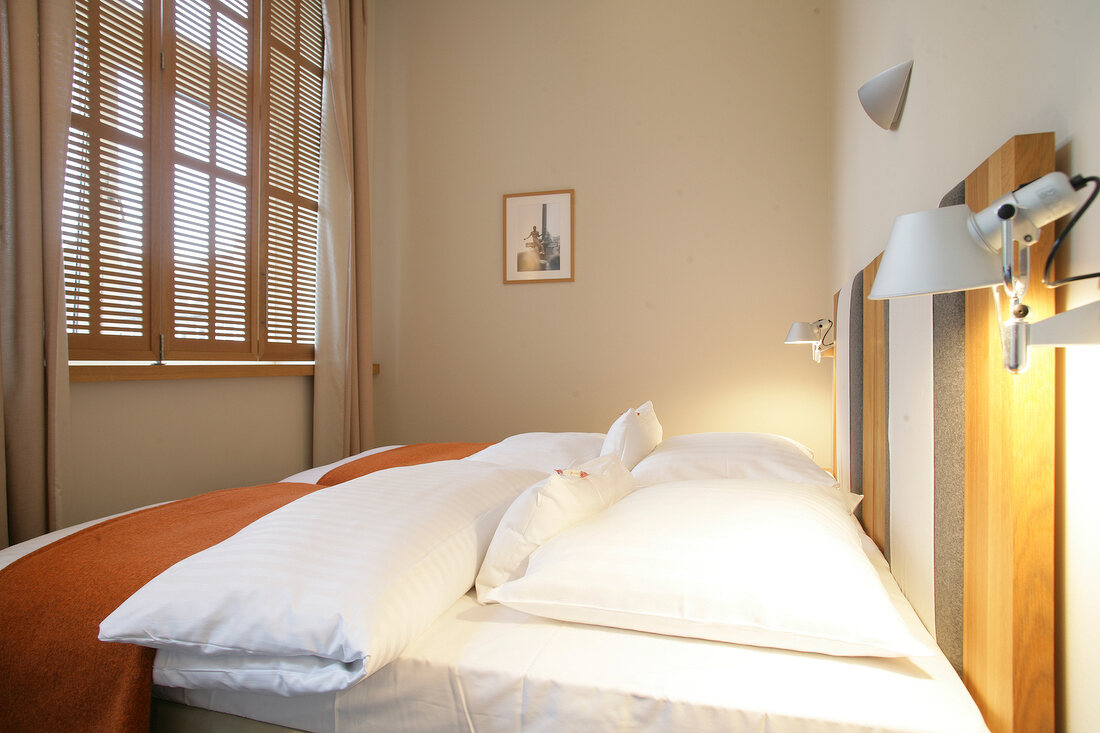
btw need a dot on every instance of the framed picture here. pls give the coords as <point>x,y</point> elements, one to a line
<point>538,237</point>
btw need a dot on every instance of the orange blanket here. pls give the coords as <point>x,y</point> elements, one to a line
<point>408,455</point>
<point>55,675</point>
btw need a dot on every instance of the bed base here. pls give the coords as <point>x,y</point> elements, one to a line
<point>171,717</point>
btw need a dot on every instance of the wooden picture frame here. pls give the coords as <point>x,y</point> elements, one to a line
<point>538,237</point>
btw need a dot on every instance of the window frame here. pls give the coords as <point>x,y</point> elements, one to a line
<point>159,341</point>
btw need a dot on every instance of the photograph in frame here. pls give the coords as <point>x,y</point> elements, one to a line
<point>538,237</point>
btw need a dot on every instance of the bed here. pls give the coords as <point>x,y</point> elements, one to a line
<point>618,581</point>
<point>509,663</point>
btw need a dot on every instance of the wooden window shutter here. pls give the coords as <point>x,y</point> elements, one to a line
<point>291,140</point>
<point>105,209</point>
<point>210,110</point>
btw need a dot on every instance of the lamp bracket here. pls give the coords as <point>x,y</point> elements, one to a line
<point>1030,207</point>
<point>1074,327</point>
<point>821,350</point>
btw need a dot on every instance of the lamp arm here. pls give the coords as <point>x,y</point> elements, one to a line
<point>1078,182</point>
<point>1080,325</point>
<point>1008,248</point>
<point>1015,280</point>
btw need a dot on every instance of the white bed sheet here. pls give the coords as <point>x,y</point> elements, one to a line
<point>489,668</point>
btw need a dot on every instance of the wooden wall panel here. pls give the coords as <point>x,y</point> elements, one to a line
<point>875,446</point>
<point>836,327</point>
<point>1008,654</point>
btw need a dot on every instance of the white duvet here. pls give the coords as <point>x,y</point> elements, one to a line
<point>322,592</point>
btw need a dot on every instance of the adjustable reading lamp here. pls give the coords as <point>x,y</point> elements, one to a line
<point>950,249</point>
<point>814,333</point>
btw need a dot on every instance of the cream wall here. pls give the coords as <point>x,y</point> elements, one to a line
<point>697,137</point>
<point>982,73</point>
<point>138,443</point>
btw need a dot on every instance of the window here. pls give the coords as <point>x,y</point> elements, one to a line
<point>189,219</point>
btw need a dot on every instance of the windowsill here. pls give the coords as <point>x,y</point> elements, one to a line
<point>116,371</point>
<point>144,371</point>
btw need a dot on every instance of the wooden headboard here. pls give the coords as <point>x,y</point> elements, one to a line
<point>955,459</point>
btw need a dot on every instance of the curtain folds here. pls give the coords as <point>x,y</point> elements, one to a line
<point>36,67</point>
<point>343,420</point>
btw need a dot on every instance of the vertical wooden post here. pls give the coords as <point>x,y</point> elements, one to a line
<point>836,325</point>
<point>1008,624</point>
<point>875,446</point>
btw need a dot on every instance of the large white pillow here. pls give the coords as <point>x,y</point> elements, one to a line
<point>764,563</point>
<point>323,591</point>
<point>544,452</point>
<point>633,435</point>
<point>735,455</point>
<point>547,508</point>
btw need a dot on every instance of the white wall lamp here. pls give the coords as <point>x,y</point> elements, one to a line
<point>950,249</point>
<point>883,95</point>
<point>814,333</point>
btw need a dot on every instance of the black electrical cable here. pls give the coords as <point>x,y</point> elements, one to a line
<point>821,343</point>
<point>1078,183</point>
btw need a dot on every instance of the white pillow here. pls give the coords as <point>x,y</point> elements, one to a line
<point>633,435</point>
<point>544,452</point>
<point>735,455</point>
<point>547,508</point>
<point>763,563</point>
<point>320,593</point>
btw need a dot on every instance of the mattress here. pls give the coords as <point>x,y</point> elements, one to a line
<point>490,668</point>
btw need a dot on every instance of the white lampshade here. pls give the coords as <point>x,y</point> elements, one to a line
<point>883,95</point>
<point>803,333</point>
<point>934,252</point>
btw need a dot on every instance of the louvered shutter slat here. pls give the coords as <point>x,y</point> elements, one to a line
<point>292,141</point>
<point>232,42</point>
<point>231,151</point>
<point>76,233</point>
<point>192,133</point>
<point>192,72</point>
<point>211,278</point>
<point>121,72</point>
<point>105,204</point>
<point>121,237</point>
<point>231,256</point>
<point>81,98</point>
<point>239,7</point>
<point>283,22</point>
<point>311,44</point>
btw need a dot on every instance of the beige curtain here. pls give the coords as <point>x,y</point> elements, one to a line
<point>343,419</point>
<point>36,67</point>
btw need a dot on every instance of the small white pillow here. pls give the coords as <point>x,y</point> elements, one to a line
<point>544,452</point>
<point>633,435</point>
<point>736,455</point>
<point>763,563</point>
<point>545,509</point>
